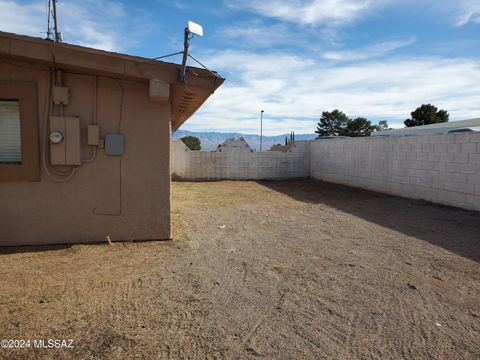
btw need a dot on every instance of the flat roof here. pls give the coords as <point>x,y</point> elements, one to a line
<point>185,99</point>
<point>440,128</point>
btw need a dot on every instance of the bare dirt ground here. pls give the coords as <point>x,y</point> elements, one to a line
<point>279,270</point>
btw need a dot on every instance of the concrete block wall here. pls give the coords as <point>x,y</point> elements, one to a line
<point>444,169</point>
<point>236,161</point>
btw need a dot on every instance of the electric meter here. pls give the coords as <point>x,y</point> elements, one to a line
<point>56,137</point>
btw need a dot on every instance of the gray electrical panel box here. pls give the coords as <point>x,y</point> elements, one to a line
<point>114,144</point>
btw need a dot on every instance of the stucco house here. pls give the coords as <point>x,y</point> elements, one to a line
<point>85,141</point>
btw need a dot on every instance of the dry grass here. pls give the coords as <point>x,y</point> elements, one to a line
<point>298,269</point>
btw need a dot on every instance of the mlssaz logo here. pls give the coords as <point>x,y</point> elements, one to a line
<point>53,344</point>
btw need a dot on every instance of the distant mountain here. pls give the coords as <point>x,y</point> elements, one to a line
<point>211,140</point>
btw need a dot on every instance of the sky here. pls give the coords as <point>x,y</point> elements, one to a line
<point>294,59</point>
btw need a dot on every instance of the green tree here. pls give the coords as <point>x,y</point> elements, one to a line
<point>192,142</point>
<point>358,127</point>
<point>426,114</point>
<point>332,123</point>
<point>336,123</point>
<point>382,125</point>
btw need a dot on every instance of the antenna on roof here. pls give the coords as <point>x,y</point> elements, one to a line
<point>52,13</point>
<point>191,30</point>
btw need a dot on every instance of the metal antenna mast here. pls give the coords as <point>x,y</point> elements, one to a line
<point>49,33</point>
<point>191,30</point>
<point>58,35</point>
<point>186,45</point>
<point>52,12</point>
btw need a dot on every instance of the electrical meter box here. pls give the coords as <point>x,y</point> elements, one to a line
<point>114,144</point>
<point>65,140</point>
<point>60,95</point>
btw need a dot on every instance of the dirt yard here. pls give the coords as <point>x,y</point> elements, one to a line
<point>278,270</point>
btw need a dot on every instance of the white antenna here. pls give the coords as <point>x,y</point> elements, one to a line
<point>195,28</point>
<point>191,30</point>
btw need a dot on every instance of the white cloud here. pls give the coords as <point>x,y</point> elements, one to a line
<point>29,19</point>
<point>310,12</point>
<point>463,11</point>
<point>294,91</point>
<point>84,23</point>
<point>99,24</point>
<point>336,13</point>
<point>254,33</point>
<point>180,5</point>
<point>455,13</point>
<point>368,52</point>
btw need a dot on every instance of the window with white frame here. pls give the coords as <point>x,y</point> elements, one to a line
<point>19,131</point>
<point>10,135</point>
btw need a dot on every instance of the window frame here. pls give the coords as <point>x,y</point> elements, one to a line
<point>25,93</point>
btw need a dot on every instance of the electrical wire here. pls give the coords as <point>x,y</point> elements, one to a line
<point>210,71</point>
<point>119,83</point>
<point>165,56</point>
<point>48,112</point>
<point>52,77</point>
<point>120,184</point>
<point>94,121</point>
<point>47,167</point>
<point>197,61</point>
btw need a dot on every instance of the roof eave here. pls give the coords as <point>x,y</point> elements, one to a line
<point>201,83</point>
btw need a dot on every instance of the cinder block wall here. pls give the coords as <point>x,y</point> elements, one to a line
<point>444,169</point>
<point>239,162</point>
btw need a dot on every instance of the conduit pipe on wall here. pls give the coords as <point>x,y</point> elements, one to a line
<point>118,211</point>
<point>52,173</point>
<point>94,121</point>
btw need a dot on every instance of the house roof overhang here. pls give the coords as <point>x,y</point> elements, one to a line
<point>186,97</point>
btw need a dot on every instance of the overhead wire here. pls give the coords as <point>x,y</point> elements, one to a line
<point>210,71</point>
<point>165,56</point>
<point>194,59</point>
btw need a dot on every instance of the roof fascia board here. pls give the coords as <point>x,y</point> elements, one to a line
<point>89,60</point>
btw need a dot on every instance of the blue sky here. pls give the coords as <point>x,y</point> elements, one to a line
<point>374,58</point>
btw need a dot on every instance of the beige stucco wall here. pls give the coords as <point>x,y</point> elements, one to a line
<point>126,197</point>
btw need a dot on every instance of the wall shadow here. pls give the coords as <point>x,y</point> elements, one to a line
<point>19,249</point>
<point>4,250</point>
<point>453,229</point>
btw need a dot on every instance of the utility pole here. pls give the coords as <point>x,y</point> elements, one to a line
<point>261,129</point>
